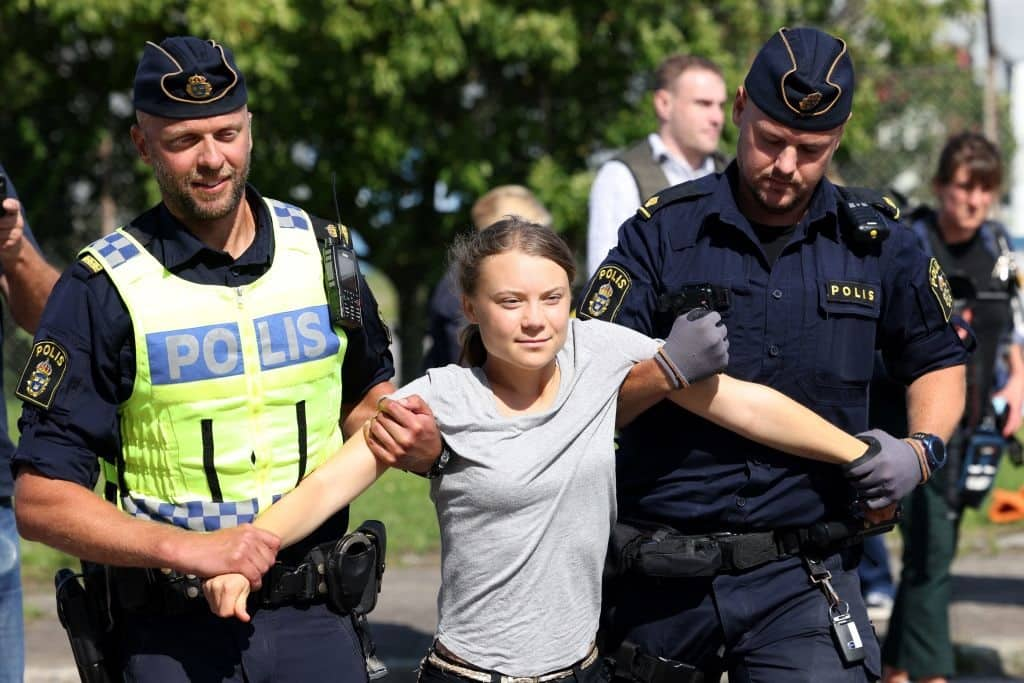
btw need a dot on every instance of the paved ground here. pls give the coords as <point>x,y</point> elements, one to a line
<point>987,618</point>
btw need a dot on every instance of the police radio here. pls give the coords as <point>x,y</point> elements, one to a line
<point>341,279</point>
<point>341,272</point>
<point>860,214</point>
<point>864,224</point>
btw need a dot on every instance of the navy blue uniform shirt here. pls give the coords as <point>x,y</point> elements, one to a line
<point>87,317</point>
<point>807,326</point>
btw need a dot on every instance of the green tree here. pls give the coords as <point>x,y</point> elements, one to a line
<point>415,106</point>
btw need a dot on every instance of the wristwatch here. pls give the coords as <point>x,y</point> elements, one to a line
<point>437,469</point>
<point>934,449</point>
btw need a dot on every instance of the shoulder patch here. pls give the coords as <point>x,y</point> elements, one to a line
<point>677,193</point>
<point>940,288</point>
<point>42,374</point>
<point>91,263</point>
<point>605,294</point>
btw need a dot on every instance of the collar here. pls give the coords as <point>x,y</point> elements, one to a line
<point>660,153</point>
<point>821,214</point>
<point>177,248</point>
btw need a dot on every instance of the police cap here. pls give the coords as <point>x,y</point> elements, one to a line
<point>803,78</point>
<point>188,78</point>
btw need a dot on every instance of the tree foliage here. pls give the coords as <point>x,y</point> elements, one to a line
<point>414,106</point>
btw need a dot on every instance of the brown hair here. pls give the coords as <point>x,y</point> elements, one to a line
<point>509,234</point>
<point>674,66</point>
<point>975,152</point>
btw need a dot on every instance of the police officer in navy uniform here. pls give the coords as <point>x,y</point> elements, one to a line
<point>809,285</point>
<point>191,356</point>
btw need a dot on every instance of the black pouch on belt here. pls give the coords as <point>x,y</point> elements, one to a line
<point>662,552</point>
<point>355,567</point>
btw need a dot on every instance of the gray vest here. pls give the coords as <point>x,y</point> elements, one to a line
<point>650,179</point>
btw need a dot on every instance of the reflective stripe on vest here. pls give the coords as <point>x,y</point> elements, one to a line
<point>237,391</point>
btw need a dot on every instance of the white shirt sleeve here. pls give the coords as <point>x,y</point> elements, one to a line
<point>614,197</point>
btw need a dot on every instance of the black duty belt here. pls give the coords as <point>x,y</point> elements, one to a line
<point>664,552</point>
<point>164,591</point>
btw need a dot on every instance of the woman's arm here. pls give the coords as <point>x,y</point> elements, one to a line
<point>764,415</point>
<point>330,487</point>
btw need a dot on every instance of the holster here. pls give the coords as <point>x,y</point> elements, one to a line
<point>660,552</point>
<point>355,569</point>
<point>86,634</point>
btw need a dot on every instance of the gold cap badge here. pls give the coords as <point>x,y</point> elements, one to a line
<point>198,87</point>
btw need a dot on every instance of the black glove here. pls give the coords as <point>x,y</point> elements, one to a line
<point>696,347</point>
<point>888,471</point>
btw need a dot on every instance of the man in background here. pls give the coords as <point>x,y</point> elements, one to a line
<point>689,96</point>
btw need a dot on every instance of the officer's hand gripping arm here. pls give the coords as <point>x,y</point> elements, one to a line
<point>889,469</point>
<point>696,348</point>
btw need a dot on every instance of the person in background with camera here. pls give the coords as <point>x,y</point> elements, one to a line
<point>204,361</point>
<point>25,280</point>
<point>975,251</point>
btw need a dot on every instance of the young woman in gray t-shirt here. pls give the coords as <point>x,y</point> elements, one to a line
<point>526,506</point>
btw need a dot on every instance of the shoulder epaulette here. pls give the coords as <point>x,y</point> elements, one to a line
<point>91,264</point>
<point>329,231</point>
<point>883,202</point>
<point>677,193</point>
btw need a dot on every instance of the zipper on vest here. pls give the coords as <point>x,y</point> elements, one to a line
<point>238,297</point>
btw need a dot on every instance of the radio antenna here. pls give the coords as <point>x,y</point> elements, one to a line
<point>334,195</point>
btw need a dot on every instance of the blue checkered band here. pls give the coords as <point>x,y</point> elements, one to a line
<point>288,216</point>
<point>197,515</point>
<point>115,248</point>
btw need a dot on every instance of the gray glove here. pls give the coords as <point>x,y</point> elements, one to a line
<point>888,471</point>
<point>696,347</point>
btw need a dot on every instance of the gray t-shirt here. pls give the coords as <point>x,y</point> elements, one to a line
<point>526,505</point>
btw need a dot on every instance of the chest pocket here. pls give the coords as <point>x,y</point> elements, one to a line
<point>844,332</point>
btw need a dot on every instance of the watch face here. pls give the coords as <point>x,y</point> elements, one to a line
<point>934,447</point>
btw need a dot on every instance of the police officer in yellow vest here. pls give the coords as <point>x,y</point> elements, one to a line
<point>193,357</point>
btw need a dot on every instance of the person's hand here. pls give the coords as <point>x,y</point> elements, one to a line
<point>404,434</point>
<point>244,549</point>
<point>12,229</point>
<point>226,595</point>
<point>888,470</point>
<point>696,347</point>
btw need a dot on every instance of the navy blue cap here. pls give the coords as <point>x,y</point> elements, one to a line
<point>803,78</point>
<point>188,78</point>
